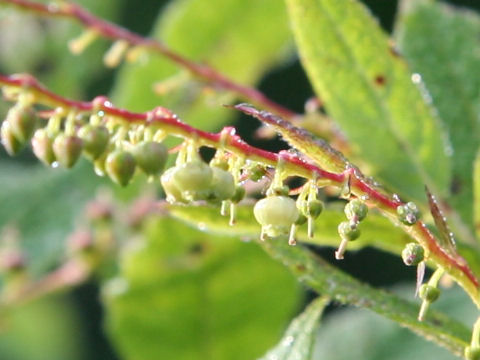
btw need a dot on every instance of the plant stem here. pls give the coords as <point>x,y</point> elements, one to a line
<point>293,166</point>
<point>112,31</point>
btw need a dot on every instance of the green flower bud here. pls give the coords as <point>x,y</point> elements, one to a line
<point>302,219</point>
<point>23,121</point>
<point>428,293</point>
<point>120,166</point>
<point>312,208</point>
<point>276,214</point>
<point>257,172</point>
<point>151,157</point>
<point>223,184</point>
<point>67,149</point>
<point>281,190</point>
<point>408,213</point>
<point>238,195</point>
<point>413,254</point>
<point>11,144</point>
<point>99,164</point>
<point>174,195</point>
<point>347,232</point>
<point>194,180</point>
<point>356,209</point>
<point>472,353</point>
<point>42,146</point>
<point>95,140</point>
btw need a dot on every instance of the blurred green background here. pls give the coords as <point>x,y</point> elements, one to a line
<point>148,300</point>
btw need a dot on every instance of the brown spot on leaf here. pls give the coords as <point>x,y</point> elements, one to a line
<point>380,80</point>
<point>300,268</point>
<point>455,185</point>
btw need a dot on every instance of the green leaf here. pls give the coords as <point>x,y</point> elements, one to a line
<point>369,91</point>
<point>185,294</point>
<point>47,329</point>
<point>440,42</point>
<point>377,231</point>
<point>297,343</point>
<point>476,194</point>
<point>233,36</point>
<point>43,204</point>
<point>329,281</point>
<point>379,338</point>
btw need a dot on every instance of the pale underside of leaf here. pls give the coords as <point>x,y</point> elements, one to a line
<point>297,343</point>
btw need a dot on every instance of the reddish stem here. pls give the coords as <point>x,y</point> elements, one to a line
<point>115,32</point>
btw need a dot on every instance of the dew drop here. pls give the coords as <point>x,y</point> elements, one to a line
<point>99,171</point>
<point>202,226</point>
<point>54,165</point>
<point>288,341</point>
<point>416,78</point>
<point>396,197</point>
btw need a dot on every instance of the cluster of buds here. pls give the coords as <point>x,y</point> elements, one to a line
<point>192,179</point>
<point>279,214</point>
<point>355,211</point>
<point>114,148</point>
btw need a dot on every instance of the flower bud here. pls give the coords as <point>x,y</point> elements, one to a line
<point>174,195</point>
<point>428,293</point>
<point>194,180</point>
<point>356,210</point>
<point>67,149</point>
<point>413,254</point>
<point>238,195</point>
<point>472,353</point>
<point>95,140</point>
<point>276,214</point>
<point>347,232</point>
<point>151,157</point>
<point>281,190</point>
<point>23,121</point>
<point>408,213</point>
<point>120,166</point>
<point>302,219</point>
<point>42,146</point>
<point>223,184</point>
<point>11,144</point>
<point>257,172</point>
<point>312,208</point>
